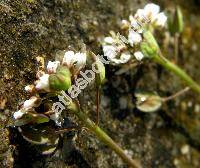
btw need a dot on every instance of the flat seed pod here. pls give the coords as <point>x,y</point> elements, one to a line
<point>31,118</point>
<point>39,135</point>
<point>148,102</point>
<point>47,149</point>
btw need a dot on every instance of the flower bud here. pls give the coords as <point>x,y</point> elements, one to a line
<point>124,25</point>
<point>61,80</point>
<point>149,46</point>
<point>138,55</point>
<point>29,88</point>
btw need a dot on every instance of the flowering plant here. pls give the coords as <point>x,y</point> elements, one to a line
<point>41,116</point>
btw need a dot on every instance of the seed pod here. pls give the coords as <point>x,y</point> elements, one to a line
<point>178,20</point>
<point>61,80</point>
<point>148,102</point>
<point>175,24</point>
<point>100,77</point>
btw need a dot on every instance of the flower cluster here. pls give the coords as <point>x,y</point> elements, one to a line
<point>73,61</point>
<point>57,77</point>
<point>117,50</point>
<point>151,12</point>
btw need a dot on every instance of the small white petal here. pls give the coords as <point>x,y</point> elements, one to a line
<point>18,114</point>
<point>151,10</point>
<point>52,66</point>
<point>125,57</point>
<point>138,55</point>
<point>160,19</point>
<point>79,60</point>
<point>140,14</point>
<point>43,83</point>
<point>68,58</point>
<point>131,18</point>
<point>108,40</point>
<point>116,61</point>
<point>135,25</point>
<point>32,102</point>
<point>134,22</point>
<point>109,51</point>
<point>134,38</point>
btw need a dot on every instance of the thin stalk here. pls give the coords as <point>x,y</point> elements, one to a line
<point>97,105</point>
<point>103,137</point>
<point>178,71</point>
<point>165,99</point>
<point>176,46</point>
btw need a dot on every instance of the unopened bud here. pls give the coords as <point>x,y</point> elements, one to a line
<point>61,80</point>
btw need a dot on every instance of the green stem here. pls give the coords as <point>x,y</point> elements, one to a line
<point>178,71</point>
<point>102,136</point>
<point>176,46</point>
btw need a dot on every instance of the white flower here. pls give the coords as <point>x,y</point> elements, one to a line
<point>77,60</point>
<point>29,88</point>
<point>109,40</point>
<point>110,51</point>
<point>134,38</point>
<point>18,114</point>
<point>52,66</point>
<point>150,14</point>
<point>138,55</point>
<point>68,58</point>
<point>43,83</point>
<point>125,57</point>
<point>151,10</point>
<point>32,102</point>
<point>160,19</point>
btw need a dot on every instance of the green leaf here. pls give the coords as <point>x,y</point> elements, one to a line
<point>61,80</point>
<point>39,134</point>
<point>100,77</point>
<point>148,102</point>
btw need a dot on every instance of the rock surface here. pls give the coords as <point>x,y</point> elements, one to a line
<point>31,28</point>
